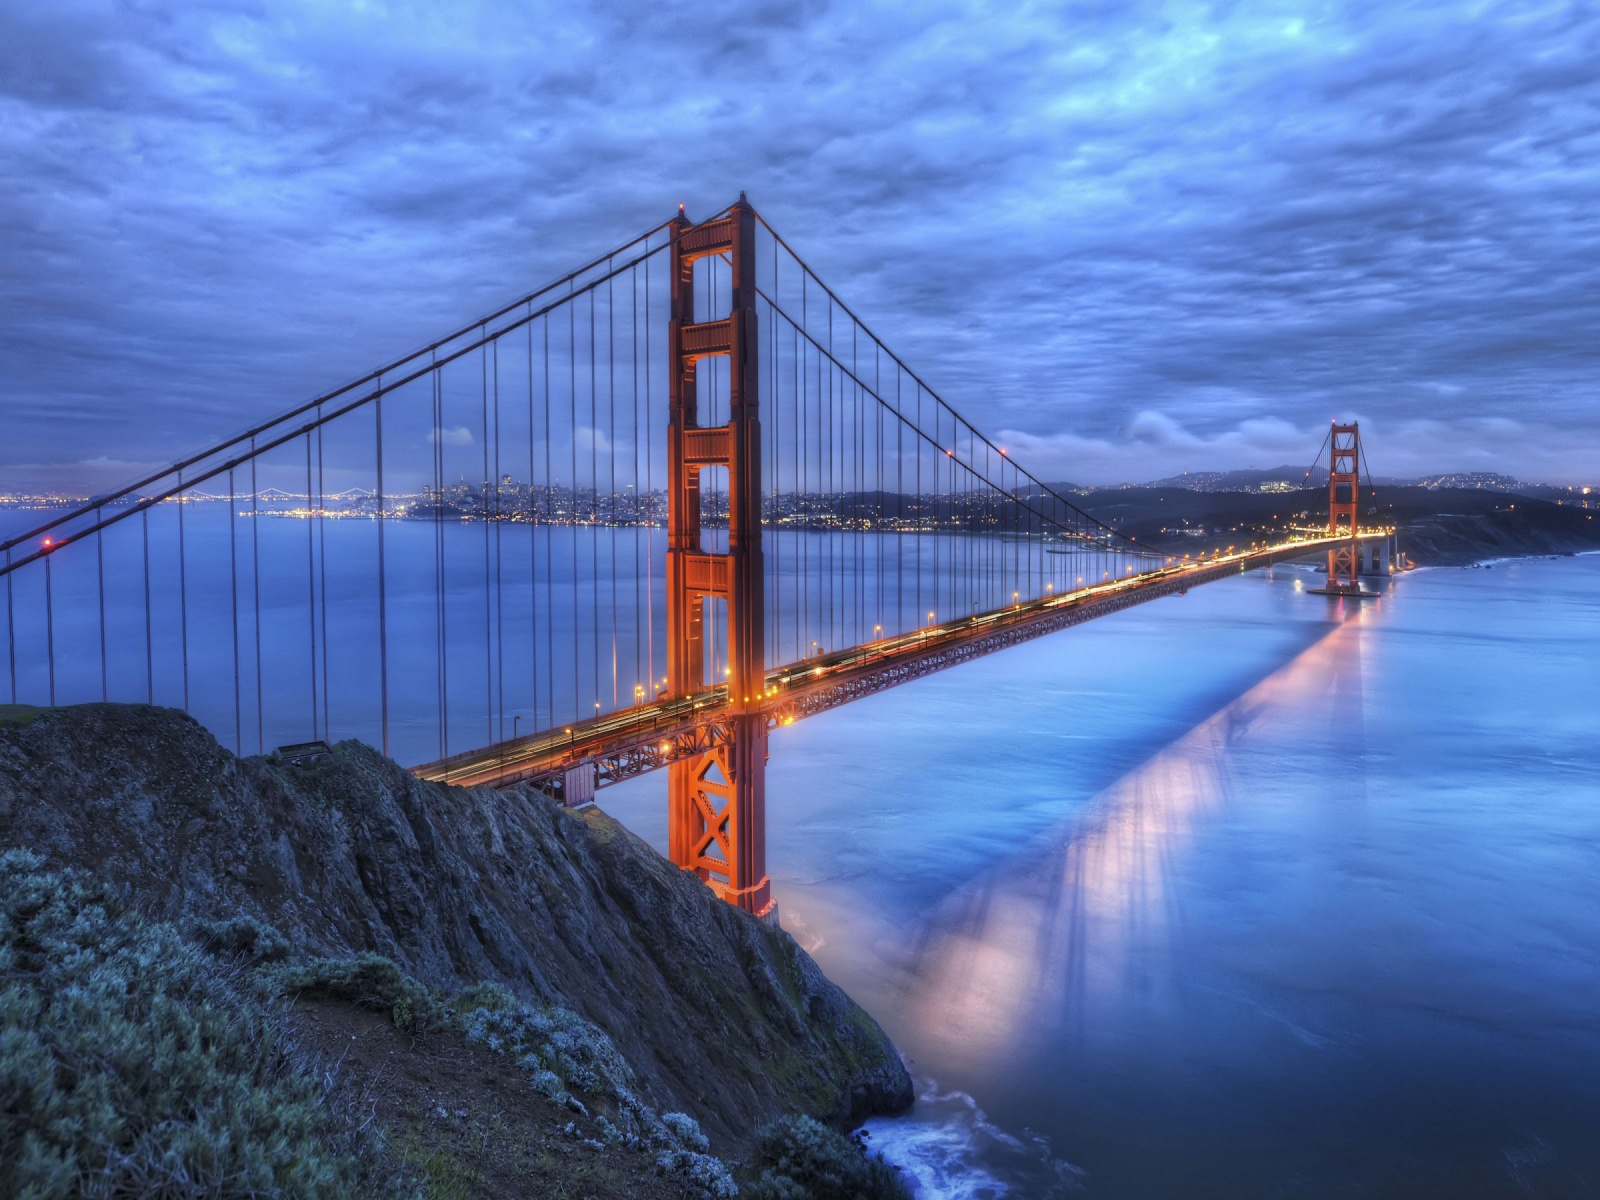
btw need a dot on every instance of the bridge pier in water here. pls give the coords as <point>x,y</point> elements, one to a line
<point>717,798</point>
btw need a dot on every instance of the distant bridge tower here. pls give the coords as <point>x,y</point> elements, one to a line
<point>1344,491</point>
<point>717,798</point>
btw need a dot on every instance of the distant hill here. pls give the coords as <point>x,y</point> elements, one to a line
<point>1437,525</point>
<point>1250,479</point>
<point>1487,480</point>
<point>1291,478</point>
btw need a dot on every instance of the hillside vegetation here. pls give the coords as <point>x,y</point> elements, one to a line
<point>380,986</point>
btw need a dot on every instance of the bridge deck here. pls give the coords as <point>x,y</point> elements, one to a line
<point>634,740</point>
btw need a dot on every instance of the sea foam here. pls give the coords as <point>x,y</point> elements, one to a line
<point>948,1149</point>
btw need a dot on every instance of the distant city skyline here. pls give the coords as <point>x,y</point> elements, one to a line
<point>402,502</point>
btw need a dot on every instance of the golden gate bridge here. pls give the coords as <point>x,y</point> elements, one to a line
<point>740,508</point>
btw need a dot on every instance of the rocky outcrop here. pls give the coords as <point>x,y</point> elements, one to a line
<point>719,1015</point>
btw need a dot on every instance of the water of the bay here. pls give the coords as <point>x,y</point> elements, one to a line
<point>1244,893</point>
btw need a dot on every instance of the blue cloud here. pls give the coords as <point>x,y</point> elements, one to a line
<point>1086,224</point>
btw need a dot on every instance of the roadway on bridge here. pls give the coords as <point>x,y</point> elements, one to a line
<point>643,737</point>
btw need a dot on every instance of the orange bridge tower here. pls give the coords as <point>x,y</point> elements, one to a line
<point>717,797</point>
<point>1344,490</point>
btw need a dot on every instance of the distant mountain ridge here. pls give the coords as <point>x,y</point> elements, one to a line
<point>1292,478</point>
<point>1249,479</point>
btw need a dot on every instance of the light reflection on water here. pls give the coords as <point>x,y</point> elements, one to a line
<point>1237,895</point>
<point>1054,935</point>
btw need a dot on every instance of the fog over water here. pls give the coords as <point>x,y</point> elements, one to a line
<point>1241,893</point>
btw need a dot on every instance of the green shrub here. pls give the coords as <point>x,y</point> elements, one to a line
<point>494,997</point>
<point>131,1066</point>
<point>705,1175</point>
<point>802,1159</point>
<point>367,981</point>
<point>686,1130</point>
<point>566,1057</point>
<point>243,937</point>
<point>556,1040</point>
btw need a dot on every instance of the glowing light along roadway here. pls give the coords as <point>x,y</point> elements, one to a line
<point>634,740</point>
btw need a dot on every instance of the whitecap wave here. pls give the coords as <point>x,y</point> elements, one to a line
<point>948,1149</point>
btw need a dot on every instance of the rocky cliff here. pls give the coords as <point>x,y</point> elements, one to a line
<point>719,1016</point>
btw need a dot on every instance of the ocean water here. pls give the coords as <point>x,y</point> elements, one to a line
<point>1242,893</point>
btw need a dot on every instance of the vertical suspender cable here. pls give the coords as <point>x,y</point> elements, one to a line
<point>899,508</point>
<point>183,595</point>
<point>935,521</point>
<point>775,390</point>
<point>149,641</point>
<point>499,594</point>
<point>436,437</point>
<point>441,577</point>
<point>594,503</point>
<point>650,488</point>
<point>803,453</point>
<point>774,594</point>
<point>311,591</point>
<point>858,510</point>
<point>11,631</point>
<point>833,500</point>
<point>533,549</point>
<point>100,573</point>
<point>776,591</point>
<point>921,520</point>
<point>486,516</point>
<point>980,553</point>
<point>611,521</point>
<point>801,532</point>
<point>817,503</point>
<point>549,537</point>
<point>322,570</point>
<point>383,577</point>
<point>572,423</point>
<point>255,584</point>
<point>50,628</point>
<point>638,633</point>
<point>233,603</point>
<point>878,482</point>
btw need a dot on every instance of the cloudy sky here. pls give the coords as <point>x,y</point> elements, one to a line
<point>1129,238</point>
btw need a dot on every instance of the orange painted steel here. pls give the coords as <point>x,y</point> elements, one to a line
<point>717,790</point>
<point>1344,494</point>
